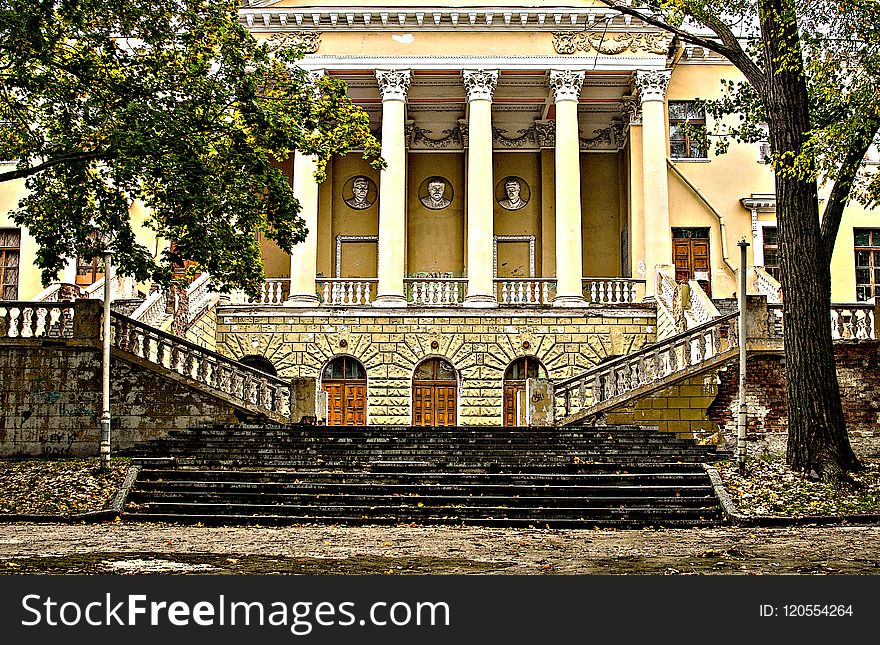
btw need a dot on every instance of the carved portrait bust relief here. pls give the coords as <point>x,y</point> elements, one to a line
<point>435,193</point>
<point>359,193</point>
<point>514,193</point>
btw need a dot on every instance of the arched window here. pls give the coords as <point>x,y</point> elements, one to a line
<point>345,382</point>
<point>515,387</point>
<point>435,387</point>
<point>259,363</point>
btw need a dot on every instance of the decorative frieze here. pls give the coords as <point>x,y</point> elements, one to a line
<point>307,42</point>
<point>480,83</point>
<point>652,83</point>
<point>452,139</point>
<point>611,43</point>
<point>393,83</point>
<point>603,138</point>
<point>528,138</point>
<point>566,84</point>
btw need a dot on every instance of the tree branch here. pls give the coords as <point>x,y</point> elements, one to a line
<point>729,46</point>
<point>846,175</point>
<point>20,173</point>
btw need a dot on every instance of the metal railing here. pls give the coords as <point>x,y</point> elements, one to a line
<point>609,383</point>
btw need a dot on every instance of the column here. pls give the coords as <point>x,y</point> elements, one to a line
<point>304,255</point>
<point>393,85</point>
<point>652,86</point>
<point>566,85</point>
<point>480,86</point>
<point>632,112</point>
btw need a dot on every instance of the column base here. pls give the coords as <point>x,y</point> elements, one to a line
<point>480,302</point>
<point>302,300</point>
<point>568,301</point>
<point>390,301</point>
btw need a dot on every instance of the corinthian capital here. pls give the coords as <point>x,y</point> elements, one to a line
<point>479,83</point>
<point>393,83</point>
<point>566,84</point>
<point>652,83</point>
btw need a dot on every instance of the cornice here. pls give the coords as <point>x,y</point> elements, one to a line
<point>263,15</point>
<point>619,63</point>
<point>761,203</point>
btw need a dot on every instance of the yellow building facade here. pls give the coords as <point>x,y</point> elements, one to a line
<point>538,176</point>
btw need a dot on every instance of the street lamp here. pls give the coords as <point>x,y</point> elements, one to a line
<point>743,416</point>
<point>105,240</point>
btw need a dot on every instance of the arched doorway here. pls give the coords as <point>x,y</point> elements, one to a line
<point>259,363</point>
<point>515,382</point>
<point>434,396</point>
<point>345,382</point>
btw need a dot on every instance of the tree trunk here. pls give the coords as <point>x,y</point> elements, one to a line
<point>818,443</point>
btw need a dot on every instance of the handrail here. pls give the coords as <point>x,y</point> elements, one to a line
<point>647,349</point>
<point>202,365</point>
<point>50,319</point>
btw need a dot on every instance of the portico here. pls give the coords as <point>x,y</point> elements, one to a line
<point>472,137</point>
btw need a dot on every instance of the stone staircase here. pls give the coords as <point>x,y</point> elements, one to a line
<point>575,477</point>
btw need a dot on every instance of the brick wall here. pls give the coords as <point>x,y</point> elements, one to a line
<point>858,373</point>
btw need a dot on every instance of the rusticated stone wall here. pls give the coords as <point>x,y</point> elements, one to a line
<point>480,345</point>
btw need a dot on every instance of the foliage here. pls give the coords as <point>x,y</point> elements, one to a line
<point>170,105</point>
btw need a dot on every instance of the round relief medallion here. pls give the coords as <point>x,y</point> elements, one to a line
<point>512,193</point>
<point>435,193</point>
<point>359,192</point>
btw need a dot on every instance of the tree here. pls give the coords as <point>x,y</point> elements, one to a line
<point>767,41</point>
<point>171,104</point>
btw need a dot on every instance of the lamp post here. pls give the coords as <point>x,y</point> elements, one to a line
<point>105,359</point>
<point>743,417</point>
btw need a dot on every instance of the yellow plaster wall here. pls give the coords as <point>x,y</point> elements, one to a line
<point>435,238</point>
<point>724,179</point>
<point>513,256</point>
<point>843,260</point>
<point>28,276</point>
<point>359,258</point>
<point>600,213</point>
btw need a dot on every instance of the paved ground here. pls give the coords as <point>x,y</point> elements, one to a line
<point>122,548</point>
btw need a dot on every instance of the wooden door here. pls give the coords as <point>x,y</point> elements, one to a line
<point>346,403</point>
<point>511,392</point>
<point>434,404</point>
<point>691,254</point>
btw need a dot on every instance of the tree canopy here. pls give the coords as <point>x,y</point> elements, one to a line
<point>171,104</point>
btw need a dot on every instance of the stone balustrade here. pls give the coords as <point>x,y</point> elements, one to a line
<point>347,292</point>
<point>36,319</point>
<point>204,366</point>
<point>426,292</point>
<point>647,369</point>
<point>525,291</point>
<point>613,291</point>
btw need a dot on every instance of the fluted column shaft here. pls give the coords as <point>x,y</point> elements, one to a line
<point>480,86</point>
<point>652,86</point>
<point>393,85</point>
<point>566,85</point>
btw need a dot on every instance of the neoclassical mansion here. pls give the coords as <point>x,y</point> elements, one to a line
<point>541,205</point>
